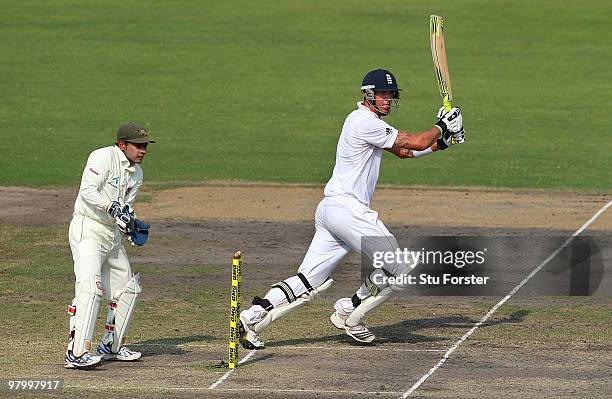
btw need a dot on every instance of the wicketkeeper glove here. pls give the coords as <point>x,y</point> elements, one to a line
<point>123,219</point>
<point>114,209</point>
<point>139,236</point>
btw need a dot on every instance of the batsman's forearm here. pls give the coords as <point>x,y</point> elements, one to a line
<point>431,135</point>
<point>418,141</point>
<point>417,154</point>
<point>399,152</point>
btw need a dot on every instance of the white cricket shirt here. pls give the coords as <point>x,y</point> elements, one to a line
<point>108,176</point>
<point>358,155</point>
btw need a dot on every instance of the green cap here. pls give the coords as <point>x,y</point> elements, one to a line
<point>133,133</point>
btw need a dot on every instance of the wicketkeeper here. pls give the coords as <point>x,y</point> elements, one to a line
<point>344,216</point>
<point>103,214</point>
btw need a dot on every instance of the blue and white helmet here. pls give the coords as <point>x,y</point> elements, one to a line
<point>380,80</point>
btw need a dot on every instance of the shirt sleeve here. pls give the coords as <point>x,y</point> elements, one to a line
<point>132,191</point>
<point>93,180</point>
<point>376,132</point>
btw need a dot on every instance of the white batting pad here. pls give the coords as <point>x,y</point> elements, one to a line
<point>281,310</point>
<point>86,305</point>
<point>125,310</point>
<point>367,305</point>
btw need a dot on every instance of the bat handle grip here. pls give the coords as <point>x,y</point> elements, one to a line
<point>447,103</point>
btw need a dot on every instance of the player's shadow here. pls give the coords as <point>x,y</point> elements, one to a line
<point>172,346</point>
<point>404,331</point>
<point>407,331</point>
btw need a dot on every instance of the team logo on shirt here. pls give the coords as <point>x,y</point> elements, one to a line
<point>114,181</point>
<point>388,130</point>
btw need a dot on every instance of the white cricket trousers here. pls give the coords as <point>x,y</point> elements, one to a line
<point>97,249</point>
<point>341,222</point>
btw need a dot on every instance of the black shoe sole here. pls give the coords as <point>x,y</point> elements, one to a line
<point>90,367</point>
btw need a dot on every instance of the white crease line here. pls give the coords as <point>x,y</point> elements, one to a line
<point>180,345</point>
<point>195,389</point>
<point>317,391</point>
<point>134,388</point>
<point>230,371</point>
<point>510,294</point>
<point>358,348</point>
<point>247,357</point>
<point>290,347</point>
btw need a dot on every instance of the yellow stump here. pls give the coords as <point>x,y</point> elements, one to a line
<point>235,310</point>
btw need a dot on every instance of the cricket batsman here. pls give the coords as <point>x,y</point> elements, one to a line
<point>103,213</point>
<point>344,216</point>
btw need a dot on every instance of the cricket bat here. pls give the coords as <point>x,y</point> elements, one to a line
<point>438,53</point>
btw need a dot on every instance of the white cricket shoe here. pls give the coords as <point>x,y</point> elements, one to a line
<point>249,338</point>
<point>359,332</point>
<point>124,354</point>
<point>86,361</point>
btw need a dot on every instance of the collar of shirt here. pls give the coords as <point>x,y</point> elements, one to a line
<point>362,107</point>
<point>125,163</point>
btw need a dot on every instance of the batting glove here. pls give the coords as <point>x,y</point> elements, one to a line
<point>458,138</point>
<point>451,139</point>
<point>451,121</point>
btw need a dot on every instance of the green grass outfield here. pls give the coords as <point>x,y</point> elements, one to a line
<point>259,90</point>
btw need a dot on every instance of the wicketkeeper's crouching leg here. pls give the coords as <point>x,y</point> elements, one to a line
<point>284,297</point>
<point>83,312</point>
<point>118,320</point>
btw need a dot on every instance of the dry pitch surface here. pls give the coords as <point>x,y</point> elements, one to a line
<point>530,347</point>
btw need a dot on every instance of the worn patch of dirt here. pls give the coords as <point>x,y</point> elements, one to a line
<point>296,203</point>
<point>272,224</point>
<point>30,206</point>
<point>396,205</point>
